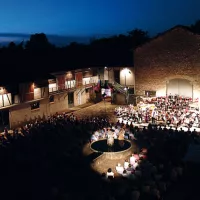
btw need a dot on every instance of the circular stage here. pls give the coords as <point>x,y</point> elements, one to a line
<point>120,149</point>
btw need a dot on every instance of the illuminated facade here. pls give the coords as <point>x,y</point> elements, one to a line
<point>169,64</point>
<point>63,90</point>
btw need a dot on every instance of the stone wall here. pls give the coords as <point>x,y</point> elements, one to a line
<point>60,103</point>
<point>175,54</point>
<point>120,99</point>
<point>22,113</point>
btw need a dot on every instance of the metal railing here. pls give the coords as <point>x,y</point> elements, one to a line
<point>90,82</point>
<point>76,84</point>
<point>120,88</point>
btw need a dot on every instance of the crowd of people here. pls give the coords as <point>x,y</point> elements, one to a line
<point>44,160</point>
<point>158,163</point>
<point>173,111</point>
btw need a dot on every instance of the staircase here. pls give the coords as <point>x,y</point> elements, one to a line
<point>81,90</point>
<point>120,88</point>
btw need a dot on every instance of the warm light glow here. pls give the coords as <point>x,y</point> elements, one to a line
<point>37,93</point>
<point>69,75</point>
<point>52,87</point>
<point>126,71</point>
<point>5,99</point>
<point>106,91</point>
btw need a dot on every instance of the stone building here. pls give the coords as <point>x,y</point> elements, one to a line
<point>169,64</point>
<point>58,92</point>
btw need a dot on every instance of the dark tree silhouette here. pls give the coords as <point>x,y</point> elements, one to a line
<point>39,55</point>
<point>38,42</point>
<point>196,27</point>
<point>12,45</point>
<point>139,37</point>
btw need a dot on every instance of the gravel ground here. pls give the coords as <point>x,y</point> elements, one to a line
<point>105,109</point>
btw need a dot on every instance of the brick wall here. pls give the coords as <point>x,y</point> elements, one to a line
<point>176,54</point>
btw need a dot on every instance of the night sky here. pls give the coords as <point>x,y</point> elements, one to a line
<point>86,18</point>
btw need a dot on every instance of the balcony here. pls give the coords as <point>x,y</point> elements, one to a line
<point>39,93</point>
<point>70,86</point>
<point>61,88</point>
<point>5,100</point>
<point>90,81</point>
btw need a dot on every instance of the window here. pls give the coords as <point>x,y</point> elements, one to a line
<point>150,93</point>
<point>107,92</point>
<point>35,105</point>
<point>52,87</point>
<point>51,99</point>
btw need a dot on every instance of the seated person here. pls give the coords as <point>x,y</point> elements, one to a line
<point>137,157</point>
<point>135,195</point>
<point>135,164</point>
<point>110,173</point>
<point>132,176</point>
<point>132,159</point>
<point>126,163</point>
<point>138,172</point>
<point>125,174</point>
<point>126,135</point>
<point>93,138</point>
<point>103,176</point>
<point>129,169</point>
<point>119,168</point>
<point>144,151</point>
<point>131,136</point>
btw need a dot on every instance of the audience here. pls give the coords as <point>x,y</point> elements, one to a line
<point>44,159</point>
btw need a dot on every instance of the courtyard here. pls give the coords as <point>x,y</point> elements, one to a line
<point>57,152</point>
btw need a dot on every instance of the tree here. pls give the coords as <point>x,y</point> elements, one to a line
<point>12,46</point>
<point>37,42</point>
<point>196,27</point>
<point>139,37</point>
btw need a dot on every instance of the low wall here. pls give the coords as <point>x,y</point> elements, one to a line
<point>113,155</point>
<point>120,99</point>
<point>118,155</point>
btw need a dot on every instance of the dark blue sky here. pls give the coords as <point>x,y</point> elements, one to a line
<point>95,17</point>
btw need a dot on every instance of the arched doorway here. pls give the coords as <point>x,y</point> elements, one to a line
<point>181,87</point>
